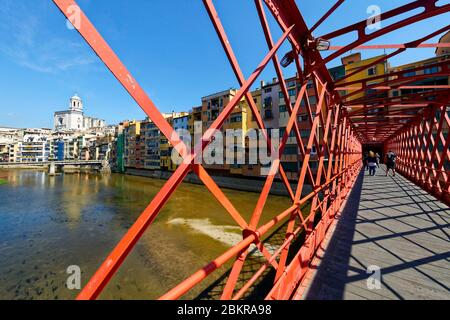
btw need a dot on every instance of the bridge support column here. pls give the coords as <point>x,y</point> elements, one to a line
<point>105,169</point>
<point>52,169</point>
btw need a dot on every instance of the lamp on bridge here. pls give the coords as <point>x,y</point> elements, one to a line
<point>287,59</point>
<point>322,44</point>
<point>319,44</point>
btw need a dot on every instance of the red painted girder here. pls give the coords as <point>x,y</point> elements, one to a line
<point>360,118</point>
<point>414,98</point>
<point>430,10</point>
<point>327,14</point>
<point>383,88</point>
<point>406,107</point>
<point>286,13</point>
<point>411,44</point>
<point>392,46</point>
<point>405,128</point>
<point>374,97</point>
<point>397,76</point>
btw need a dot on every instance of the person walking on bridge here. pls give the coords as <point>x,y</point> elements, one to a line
<point>372,163</point>
<point>365,156</point>
<point>390,162</point>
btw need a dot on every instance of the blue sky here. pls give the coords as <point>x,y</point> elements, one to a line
<point>169,46</point>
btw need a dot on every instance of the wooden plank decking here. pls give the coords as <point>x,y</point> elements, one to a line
<point>395,225</point>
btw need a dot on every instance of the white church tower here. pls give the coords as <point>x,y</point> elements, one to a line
<point>76,104</point>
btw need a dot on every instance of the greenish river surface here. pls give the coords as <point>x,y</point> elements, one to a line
<point>50,223</point>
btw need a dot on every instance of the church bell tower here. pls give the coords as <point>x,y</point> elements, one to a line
<point>76,104</point>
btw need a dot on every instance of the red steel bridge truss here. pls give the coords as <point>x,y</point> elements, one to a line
<point>414,125</point>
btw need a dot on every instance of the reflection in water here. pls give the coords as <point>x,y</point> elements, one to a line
<point>50,223</point>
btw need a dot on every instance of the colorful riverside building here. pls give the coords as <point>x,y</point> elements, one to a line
<point>427,67</point>
<point>290,159</point>
<point>165,162</point>
<point>152,137</point>
<point>145,147</point>
<point>275,115</point>
<point>30,145</point>
<point>195,119</point>
<point>81,146</point>
<point>180,124</point>
<point>63,148</point>
<point>240,120</point>
<point>140,151</point>
<point>178,120</point>
<point>212,106</point>
<point>4,152</point>
<point>117,158</point>
<point>270,103</point>
<point>132,133</point>
<point>8,139</point>
<point>34,148</point>
<point>352,63</point>
<point>237,122</point>
<point>195,116</point>
<point>251,170</point>
<point>119,153</point>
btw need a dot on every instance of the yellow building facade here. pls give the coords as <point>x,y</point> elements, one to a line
<point>354,62</point>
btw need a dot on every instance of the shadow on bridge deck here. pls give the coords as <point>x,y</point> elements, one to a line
<point>391,223</point>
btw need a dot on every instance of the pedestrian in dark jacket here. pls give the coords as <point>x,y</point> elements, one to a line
<point>391,157</point>
<point>365,156</point>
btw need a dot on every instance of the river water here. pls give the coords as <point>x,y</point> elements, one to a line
<point>50,223</point>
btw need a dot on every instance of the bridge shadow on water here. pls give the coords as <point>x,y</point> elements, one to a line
<point>394,225</point>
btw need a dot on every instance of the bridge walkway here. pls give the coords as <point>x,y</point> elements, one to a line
<point>391,223</point>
